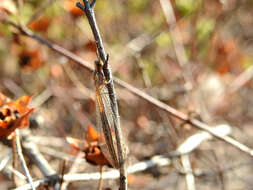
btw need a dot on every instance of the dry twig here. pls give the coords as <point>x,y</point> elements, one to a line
<point>34,154</point>
<point>88,9</point>
<point>189,177</point>
<point>22,160</point>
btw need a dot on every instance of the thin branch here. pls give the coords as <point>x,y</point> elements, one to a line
<point>92,5</point>
<point>186,66</point>
<point>241,80</point>
<point>62,168</point>
<point>74,168</point>
<point>89,11</point>
<point>34,154</point>
<point>5,160</point>
<point>14,160</point>
<point>46,141</point>
<point>100,184</point>
<point>38,159</point>
<point>72,76</point>
<point>22,160</point>
<point>170,110</point>
<point>41,98</point>
<point>8,169</point>
<point>177,42</point>
<point>15,172</point>
<point>192,142</point>
<point>26,32</point>
<point>189,177</point>
<point>58,154</point>
<point>35,183</point>
<point>13,87</point>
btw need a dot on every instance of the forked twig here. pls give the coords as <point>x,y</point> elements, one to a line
<point>34,154</point>
<point>38,159</point>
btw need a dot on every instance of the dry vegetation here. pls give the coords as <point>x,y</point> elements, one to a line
<point>195,57</point>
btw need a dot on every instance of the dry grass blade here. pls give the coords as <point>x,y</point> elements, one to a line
<point>23,163</point>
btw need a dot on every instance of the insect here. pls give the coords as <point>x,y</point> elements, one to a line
<point>106,118</point>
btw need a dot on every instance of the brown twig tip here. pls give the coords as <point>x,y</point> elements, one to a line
<point>79,5</point>
<point>93,4</point>
<point>87,5</point>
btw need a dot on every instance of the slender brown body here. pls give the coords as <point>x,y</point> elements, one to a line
<point>105,117</point>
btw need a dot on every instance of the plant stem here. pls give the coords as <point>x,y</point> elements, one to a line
<point>88,9</point>
<point>22,159</point>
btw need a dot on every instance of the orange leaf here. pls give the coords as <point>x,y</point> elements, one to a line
<point>95,156</point>
<point>91,46</point>
<point>70,6</point>
<point>91,135</point>
<point>8,126</point>
<point>13,115</point>
<point>4,99</point>
<point>93,153</point>
<point>21,104</point>
<point>40,24</point>
<point>30,59</point>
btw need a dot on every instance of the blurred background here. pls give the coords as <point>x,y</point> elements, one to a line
<point>199,61</point>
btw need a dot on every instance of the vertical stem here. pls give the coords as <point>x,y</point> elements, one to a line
<point>14,161</point>
<point>22,160</point>
<point>100,185</point>
<point>189,177</point>
<point>88,9</point>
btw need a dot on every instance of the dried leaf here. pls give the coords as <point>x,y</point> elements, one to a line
<point>90,147</point>
<point>91,135</point>
<point>95,156</point>
<point>13,115</point>
<point>4,99</point>
<point>40,24</point>
<point>91,46</point>
<point>70,6</point>
<point>30,59</point>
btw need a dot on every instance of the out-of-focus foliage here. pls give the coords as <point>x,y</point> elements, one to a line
<point>188,6</point>
<point>204,29</point>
